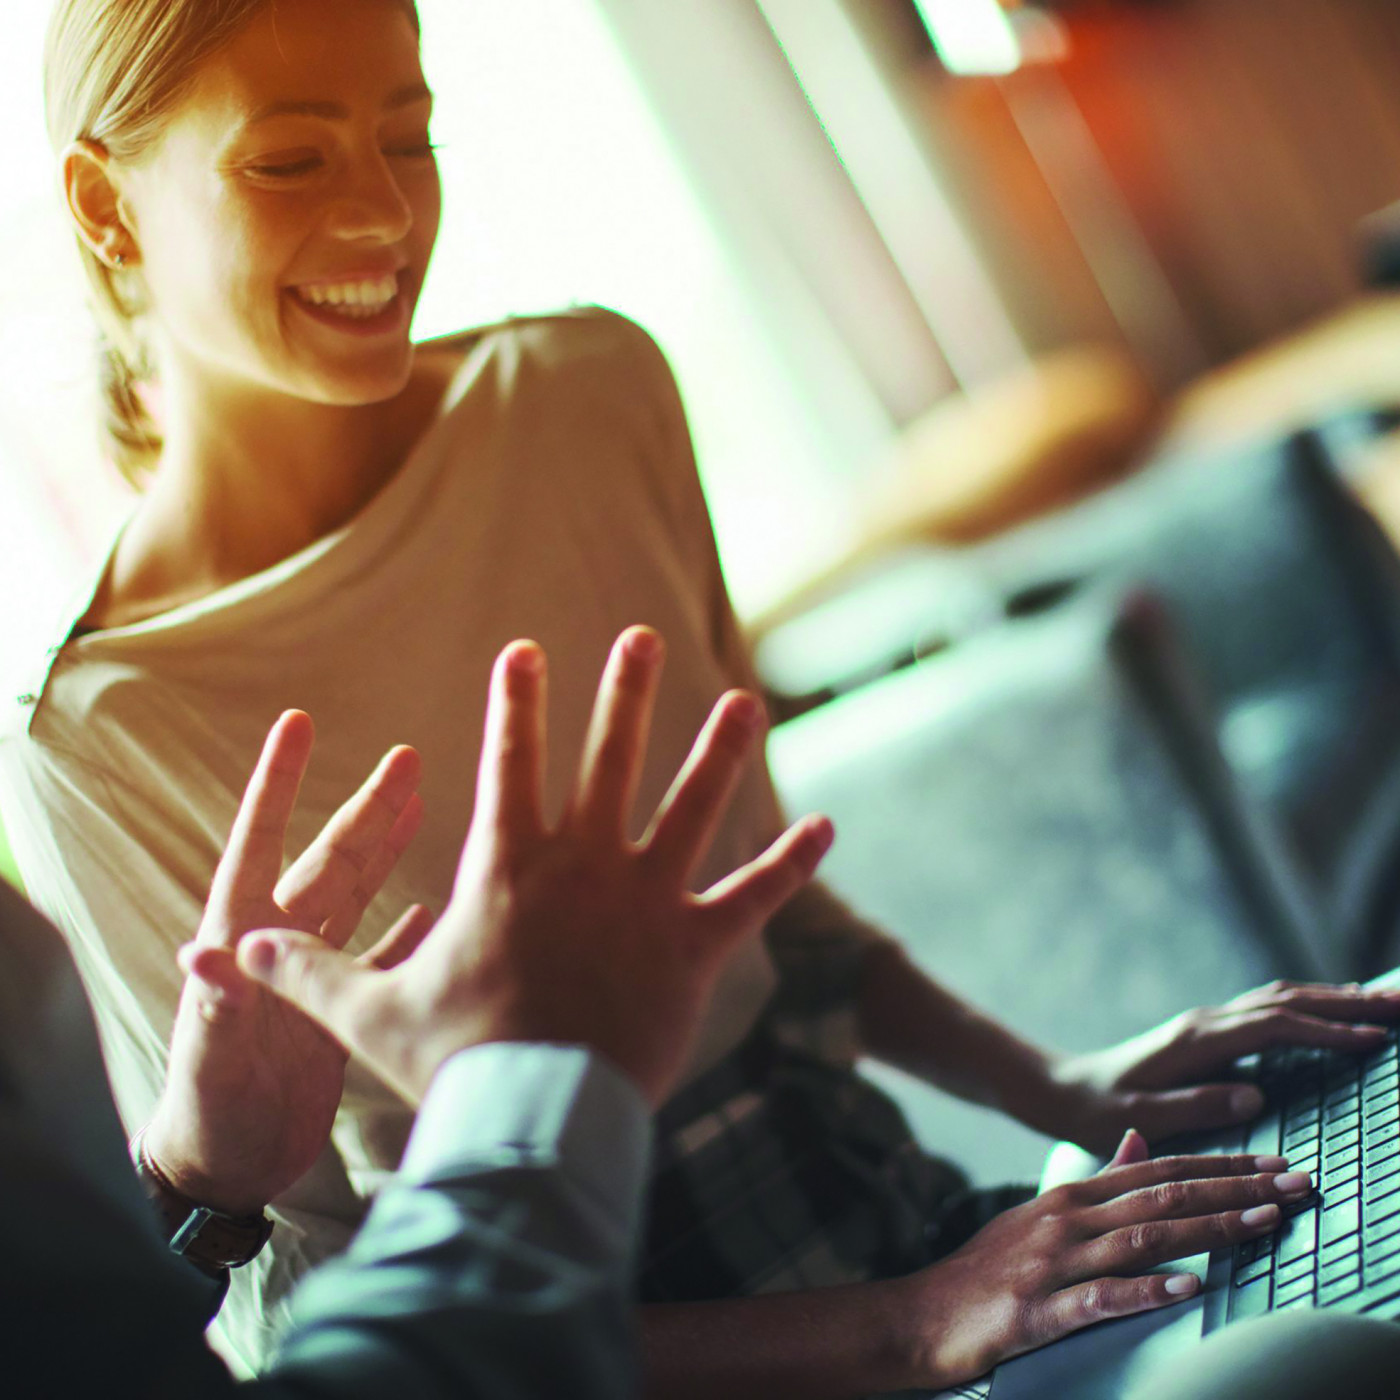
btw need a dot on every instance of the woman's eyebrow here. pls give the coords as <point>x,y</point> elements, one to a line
<point>335,111</point>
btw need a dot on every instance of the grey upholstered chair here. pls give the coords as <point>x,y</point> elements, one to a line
<point>1042,813</point>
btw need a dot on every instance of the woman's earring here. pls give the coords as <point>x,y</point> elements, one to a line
<point>120,260</point>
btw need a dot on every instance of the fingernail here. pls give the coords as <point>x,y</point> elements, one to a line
<point>260,955</point>
<point>529,659</point>
<point>643,644</point>
<point>1259,1215</point>
<point>1293,1183</point>
<point>1271,1164</point>
<point>1246,1101</point>
<point>744,709</point>
<point>1182,1284</point>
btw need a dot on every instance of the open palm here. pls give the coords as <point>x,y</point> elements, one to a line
<point>253,1085</point>
<point>567,932</point>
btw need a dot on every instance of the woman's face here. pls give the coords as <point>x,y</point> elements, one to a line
<point>287,217</point>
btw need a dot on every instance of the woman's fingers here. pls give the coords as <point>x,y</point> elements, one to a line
<point>1245,1032</point>
<point>252,859</point>
<point>510,778</point>
<point>689,814</point>
<point>1133,1148</point>
<point>1178,1200</point>
<point>743,902</point>
<point>1344,1003</point>
<point>339,867</point>
<point>1169,1112</point>
<point>1118,1181</point>
<point>1150,1226</point>
<point>1348,1002</point>
<point>1098,1300</point>
<point>1149,1242</point>
<point>617,737</point>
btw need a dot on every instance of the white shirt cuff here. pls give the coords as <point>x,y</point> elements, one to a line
<point>512,1104</point>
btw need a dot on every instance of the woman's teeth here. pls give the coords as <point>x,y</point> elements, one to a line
<point>358,300</point>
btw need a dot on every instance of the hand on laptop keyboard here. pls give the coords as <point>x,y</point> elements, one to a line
<point>1337,1117</point>
<point>1080,1254</point>
<point>1153,1082</point>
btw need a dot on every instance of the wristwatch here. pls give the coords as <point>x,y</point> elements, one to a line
<point>209,1239</point>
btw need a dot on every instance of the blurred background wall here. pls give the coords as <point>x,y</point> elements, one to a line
<point>1246,140</point>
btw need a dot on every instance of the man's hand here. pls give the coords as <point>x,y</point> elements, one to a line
<point>253,1085</point>
<point>1159,1082</point>
<point>574,935</point>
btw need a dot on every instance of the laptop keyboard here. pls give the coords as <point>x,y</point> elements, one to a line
<point>1337,1117</point>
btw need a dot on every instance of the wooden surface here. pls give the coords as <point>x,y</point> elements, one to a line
<point>1348,358</point>
<point>978,464</point>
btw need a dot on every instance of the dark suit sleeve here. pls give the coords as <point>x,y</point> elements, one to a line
<point>91,1303</point>
<point>497,1265</point>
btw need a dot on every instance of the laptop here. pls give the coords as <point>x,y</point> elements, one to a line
<point>1338,1118</point>
<point>1335,1116</point>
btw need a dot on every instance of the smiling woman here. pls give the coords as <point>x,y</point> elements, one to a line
<point>330,511</point>
<point>293,177</point>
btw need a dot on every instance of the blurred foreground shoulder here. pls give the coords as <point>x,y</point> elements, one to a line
<point>576,338</point>
<point>610,341</point>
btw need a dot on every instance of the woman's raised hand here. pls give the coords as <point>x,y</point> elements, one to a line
<point>1159,1082</point>
<point>571,934</point>
<point>1081,1253</point>
<point>253,1085</point>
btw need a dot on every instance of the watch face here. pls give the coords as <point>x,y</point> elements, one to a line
<point>222,1241</point>
<point>188,1235</point>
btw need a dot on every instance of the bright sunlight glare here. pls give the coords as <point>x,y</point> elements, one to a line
<point>971,36</point>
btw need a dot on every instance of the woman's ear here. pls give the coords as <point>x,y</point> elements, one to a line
<point>95,202</point>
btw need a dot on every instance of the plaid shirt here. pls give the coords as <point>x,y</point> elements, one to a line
<point>781,1168</point>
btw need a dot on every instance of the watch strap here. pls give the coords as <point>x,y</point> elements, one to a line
<point>209,1239</point>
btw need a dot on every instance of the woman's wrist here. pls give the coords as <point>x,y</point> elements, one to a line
<point>901,1357</point>
<point>813,1344</point>
<point>908,1020</point>
<point>933,1349</point>
<point>1048,1095</point>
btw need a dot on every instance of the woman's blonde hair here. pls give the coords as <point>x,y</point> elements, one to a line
<point>114,72</point>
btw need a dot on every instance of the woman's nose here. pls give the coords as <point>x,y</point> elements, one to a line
<point>371,204</point>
